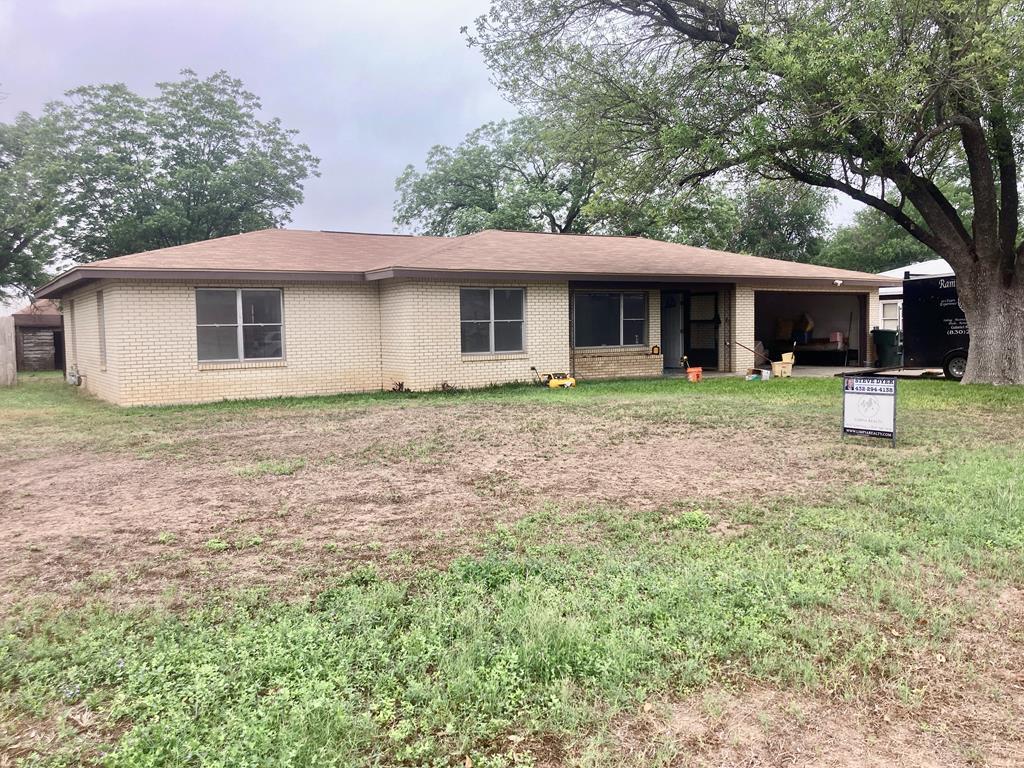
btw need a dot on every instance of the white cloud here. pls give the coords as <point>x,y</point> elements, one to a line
<point>6,18</point>
<point>78,8</point>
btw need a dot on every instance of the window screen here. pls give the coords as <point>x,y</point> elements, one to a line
<point>609,318</point>
<point>491,319</point>
<point>239,324</point>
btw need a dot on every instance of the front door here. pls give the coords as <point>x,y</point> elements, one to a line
<point>701,322</point>
<point>672,328</point>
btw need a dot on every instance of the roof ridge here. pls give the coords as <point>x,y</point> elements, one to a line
<point>353,232</point>
<point>569,234</point>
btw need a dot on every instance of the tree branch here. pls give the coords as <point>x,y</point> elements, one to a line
<point>1009,202</point>
<point>821,180</point>
<point>983,183</point>
<point>705,23</point>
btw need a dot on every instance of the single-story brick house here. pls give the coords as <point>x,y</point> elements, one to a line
<point>283,312</point>
<point>38,337</point>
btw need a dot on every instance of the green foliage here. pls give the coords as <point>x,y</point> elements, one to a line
<point>111,172</point>
<point>782,221</point>
<point>27,198</point>
<point>692,520</point>
<point>872,243</point>
<point>272,467</point>
<point>529,175</point>
<point>877,99</point>
<point>520,175</point>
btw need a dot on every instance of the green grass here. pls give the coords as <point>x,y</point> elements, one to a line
<point>562,620</point>
<point>271,467</point>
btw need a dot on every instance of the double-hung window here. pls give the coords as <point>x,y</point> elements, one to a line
<point>610,318</point>
<point>492,319</point>
<point>239,324</point>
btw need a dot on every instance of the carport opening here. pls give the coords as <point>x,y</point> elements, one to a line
<point>821,328</point>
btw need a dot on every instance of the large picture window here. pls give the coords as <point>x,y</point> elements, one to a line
<point>239,324</point>
<point>492,319</point>
<point>610,318</point>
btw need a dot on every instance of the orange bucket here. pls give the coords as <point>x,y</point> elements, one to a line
<point>695,374</point>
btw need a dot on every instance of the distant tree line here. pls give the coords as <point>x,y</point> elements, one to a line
<point>530,175</point>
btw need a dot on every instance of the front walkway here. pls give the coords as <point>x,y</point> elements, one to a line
<point>799,372</point>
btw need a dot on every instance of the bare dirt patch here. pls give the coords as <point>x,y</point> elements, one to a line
<point>969,712</point>
<point>283,499</point>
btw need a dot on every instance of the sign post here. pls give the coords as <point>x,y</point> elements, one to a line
<point>869,406</point>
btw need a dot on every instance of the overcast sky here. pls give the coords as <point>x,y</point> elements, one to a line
<point>371,85</point>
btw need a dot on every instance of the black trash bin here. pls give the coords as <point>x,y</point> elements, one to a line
<point>887,347</point>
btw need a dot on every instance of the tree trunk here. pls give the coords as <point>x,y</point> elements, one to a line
<point>995,320</point>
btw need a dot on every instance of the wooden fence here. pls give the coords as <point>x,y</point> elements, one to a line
<point>8,368</point>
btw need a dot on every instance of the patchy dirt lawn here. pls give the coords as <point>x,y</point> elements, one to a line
<point>163,508</point>
<point>295,496</point>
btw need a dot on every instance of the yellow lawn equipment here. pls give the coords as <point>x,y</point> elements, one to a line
<point>553,380</point>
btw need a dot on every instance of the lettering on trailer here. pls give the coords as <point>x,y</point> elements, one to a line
<point>869,406</point>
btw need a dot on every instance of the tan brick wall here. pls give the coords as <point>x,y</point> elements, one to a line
<point>742,328</point>
<point>331,340</point>
<point>422,334</point>
<point>618,364</point>
<point>82,339</point>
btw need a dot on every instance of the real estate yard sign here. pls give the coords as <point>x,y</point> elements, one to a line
<point>869,406</point>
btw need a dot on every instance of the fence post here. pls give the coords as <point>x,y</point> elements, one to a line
<point>8,369</point>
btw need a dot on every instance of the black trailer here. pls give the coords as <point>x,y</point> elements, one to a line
<point>934,326</point>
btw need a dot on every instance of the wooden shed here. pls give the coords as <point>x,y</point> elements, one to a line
<point>39,337</point>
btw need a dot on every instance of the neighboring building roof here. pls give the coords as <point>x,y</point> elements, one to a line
<point>931,268</point>
<point>41,313</point>
<point>293,255</point>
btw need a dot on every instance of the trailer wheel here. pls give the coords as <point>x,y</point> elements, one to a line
<point>954,366</point>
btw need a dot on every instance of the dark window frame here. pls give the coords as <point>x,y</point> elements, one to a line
<point>240,325</point>
<point>491,321</point>
<point>621,294</point>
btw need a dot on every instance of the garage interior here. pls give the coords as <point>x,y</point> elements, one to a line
<point>821,328</point>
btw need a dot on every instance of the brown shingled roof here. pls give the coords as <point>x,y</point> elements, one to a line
<point>280,254</point>
<point>495,251</point>
<point>42,313</point>
<point>280,250</point>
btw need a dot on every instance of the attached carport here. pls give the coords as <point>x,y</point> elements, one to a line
<point>823,328</point>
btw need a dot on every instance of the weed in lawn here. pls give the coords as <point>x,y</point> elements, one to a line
<point>281,467</point>
<point>217,545</point>
<point>394,451</point>
<point>691,519</point>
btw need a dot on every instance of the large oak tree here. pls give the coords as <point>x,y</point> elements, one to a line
<point>887,101</point>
